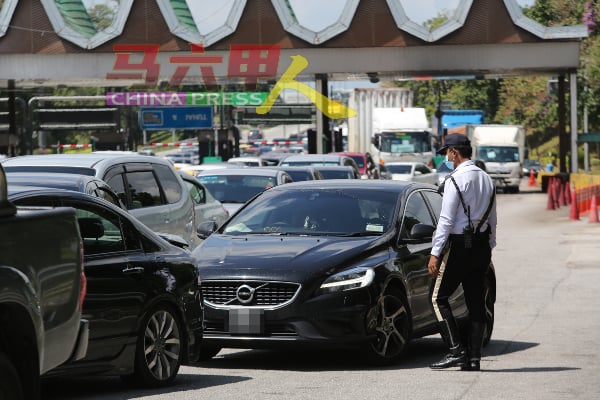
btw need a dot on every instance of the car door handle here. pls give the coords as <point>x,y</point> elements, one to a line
<point>133,270</point>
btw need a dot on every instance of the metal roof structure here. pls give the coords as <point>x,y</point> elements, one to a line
<point>58,42</point>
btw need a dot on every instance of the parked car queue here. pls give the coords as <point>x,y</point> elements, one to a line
<point>284,227</point>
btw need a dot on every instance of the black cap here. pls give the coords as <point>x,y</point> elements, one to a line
<point>454,140</point>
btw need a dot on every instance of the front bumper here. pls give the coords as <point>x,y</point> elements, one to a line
<point>335,319</point>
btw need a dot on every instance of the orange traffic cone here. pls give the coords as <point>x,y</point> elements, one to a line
<point>568,196</point>
<point>574,210</point>
<point>562,199</point>
<point>531,179</point>
<point>556,188</point>
<point>550,205</point>
<point>594,210</point>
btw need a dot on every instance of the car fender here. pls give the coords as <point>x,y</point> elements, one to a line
<point>18,289</point>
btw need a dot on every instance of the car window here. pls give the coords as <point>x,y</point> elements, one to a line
<point>169,183</point>
<point>144,189</point>
<point>317,212</point>
<point>415,212</point>
<point>435,201</point>
<point>196,192</point>
<point>106,194</point>
<point>117,184</point>
<point>102,231</point>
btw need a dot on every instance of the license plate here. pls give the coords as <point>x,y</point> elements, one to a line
<point>246,321</point>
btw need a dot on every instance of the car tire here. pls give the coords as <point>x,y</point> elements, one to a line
<point>389,321</point>
<point>208,351</point>
<point>10,383</point>
<point>490,298</point>
<point>159,350</point>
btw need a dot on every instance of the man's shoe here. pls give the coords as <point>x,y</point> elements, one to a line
<point>471,365</point>
<point>454,359</point>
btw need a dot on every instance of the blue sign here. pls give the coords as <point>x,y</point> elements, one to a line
<point>157,118</point>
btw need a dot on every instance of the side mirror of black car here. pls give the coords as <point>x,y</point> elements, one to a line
<point>420,233</point>
<point>206,228</point>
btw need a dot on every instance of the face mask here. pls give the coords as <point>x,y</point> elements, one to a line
<point>449,164</point>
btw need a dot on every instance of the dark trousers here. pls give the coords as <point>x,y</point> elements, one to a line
<point>467,267</point>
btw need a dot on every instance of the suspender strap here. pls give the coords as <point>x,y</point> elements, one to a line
<point>466,209</point>
<point>487,212</point>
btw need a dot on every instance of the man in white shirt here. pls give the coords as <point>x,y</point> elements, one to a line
<point>462,251</point>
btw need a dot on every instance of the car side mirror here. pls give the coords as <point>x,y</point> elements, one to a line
<point>420,233</point>
<point>206,228</point>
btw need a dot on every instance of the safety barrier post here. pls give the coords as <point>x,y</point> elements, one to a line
<point>593,208</point>
<point>574,215</point>
<point>550,204</point>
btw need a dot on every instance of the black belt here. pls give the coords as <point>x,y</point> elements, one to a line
<point>477,237</point>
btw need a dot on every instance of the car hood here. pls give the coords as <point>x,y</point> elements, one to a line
<point>291,258</point>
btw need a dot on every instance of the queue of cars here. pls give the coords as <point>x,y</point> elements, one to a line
<point>275,259</point>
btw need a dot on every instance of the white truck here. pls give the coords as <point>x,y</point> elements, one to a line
<point>502,148</point>
<point>388,127</point>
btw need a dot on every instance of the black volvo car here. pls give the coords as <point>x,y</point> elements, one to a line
<point>329,263</point>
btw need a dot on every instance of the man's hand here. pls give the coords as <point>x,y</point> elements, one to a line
<point>433,266</point>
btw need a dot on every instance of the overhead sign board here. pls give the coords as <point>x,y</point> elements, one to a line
<point>158,118</point>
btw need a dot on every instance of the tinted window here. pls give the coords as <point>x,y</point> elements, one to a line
<point>435,200</point>
<point>116,183</point>
<point>102,231</point>
<point>170,184</point>
<point>416,212</point>
<point>144,189</point>
<point>196,192</point>
<point>318,211</point>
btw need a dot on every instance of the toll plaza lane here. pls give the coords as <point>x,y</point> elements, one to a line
<point>545,342</point>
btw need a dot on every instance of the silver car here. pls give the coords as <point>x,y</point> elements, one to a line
<point>149,187</point>
<point>207,207</point>
<point>233,187</point>
<point>412,171</point>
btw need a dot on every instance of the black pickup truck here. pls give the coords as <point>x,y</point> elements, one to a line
<point>42,287</point>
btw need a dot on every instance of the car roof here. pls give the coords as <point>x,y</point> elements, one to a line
<point>313,157</point>
<point>249,171</point>
<point>349,154</point>
<point>405,163</point>
<point>334,167</point>
<point>84,163</point>
<point>370,184</point>
<point>51,179</point>
<point>17,191</point>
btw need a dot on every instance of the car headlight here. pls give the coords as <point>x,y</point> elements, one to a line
<point>349,279</point>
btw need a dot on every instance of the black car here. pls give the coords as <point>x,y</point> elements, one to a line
<point>326,262</point>
<point>143,301</point>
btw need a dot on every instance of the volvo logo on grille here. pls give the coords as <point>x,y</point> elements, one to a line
<point>245,294</point>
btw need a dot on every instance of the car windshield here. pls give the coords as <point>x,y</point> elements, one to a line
<point>335,174</point>
<point>236,188</point>
<point>348,212</point>
<point>399,169</point>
